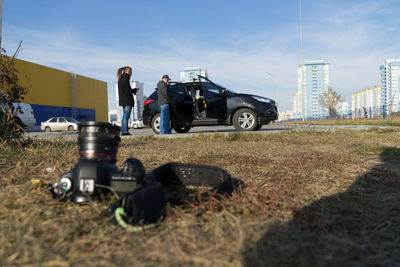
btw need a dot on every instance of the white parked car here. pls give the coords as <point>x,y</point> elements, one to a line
<point>59,124</point>
<point>137,124</point>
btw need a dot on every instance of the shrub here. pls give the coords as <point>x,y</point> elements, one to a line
<point>11,91</point>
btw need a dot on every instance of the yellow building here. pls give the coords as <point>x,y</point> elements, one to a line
<point>53,92</point>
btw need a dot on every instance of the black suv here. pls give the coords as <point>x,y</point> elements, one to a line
<point>202,102</point>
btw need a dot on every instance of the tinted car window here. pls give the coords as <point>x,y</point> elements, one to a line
<point>210,90</point>
<point>61,120</point>
<point>177,92</point>
<point>53,120</point>
<point>71,120</point>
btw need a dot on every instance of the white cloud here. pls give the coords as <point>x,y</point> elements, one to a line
<point>242,71</point>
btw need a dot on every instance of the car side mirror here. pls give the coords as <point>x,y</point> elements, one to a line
<point>222,91</point>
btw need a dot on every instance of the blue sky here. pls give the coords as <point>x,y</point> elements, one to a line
<point>238,42</point>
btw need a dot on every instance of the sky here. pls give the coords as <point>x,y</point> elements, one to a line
<point>248,46</point>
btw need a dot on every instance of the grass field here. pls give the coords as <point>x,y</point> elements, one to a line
<point>394,121</point>
<point>308,199</point>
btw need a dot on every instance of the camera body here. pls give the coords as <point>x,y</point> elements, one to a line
<point>92,178</point>
<point>95,174</point>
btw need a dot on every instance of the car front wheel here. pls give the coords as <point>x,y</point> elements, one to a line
<point>47,129</point>
<point>245,120</point>
<point>70,128</point>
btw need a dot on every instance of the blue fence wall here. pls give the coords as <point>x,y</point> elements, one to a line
<point>381,112</point>
<point>44,112</point>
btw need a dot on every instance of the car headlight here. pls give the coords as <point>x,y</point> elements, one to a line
<point>262,99</point>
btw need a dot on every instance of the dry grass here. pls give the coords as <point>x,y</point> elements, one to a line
<point>310,198</point>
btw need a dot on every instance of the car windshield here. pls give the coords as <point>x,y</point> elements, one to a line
<point>69,119</point>
<point>201,78</point>
<point>223,87</point>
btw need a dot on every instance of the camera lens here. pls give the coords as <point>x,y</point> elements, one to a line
<point>98,140</point>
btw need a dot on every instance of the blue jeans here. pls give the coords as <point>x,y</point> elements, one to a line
<point>125,118</point>
<point>164,119</point>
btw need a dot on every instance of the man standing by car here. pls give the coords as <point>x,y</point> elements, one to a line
<point>163,101</point>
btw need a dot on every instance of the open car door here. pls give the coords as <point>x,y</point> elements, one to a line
<point>181,105</point>
<point>215,102</point>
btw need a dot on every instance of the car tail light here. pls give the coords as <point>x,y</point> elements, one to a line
<point>148,101</point>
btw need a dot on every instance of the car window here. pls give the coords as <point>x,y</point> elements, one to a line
<point>53,120</point>
<point>71,119</point>
<point>210,90</point>
<point>62,120</point>
<point>177,92</point>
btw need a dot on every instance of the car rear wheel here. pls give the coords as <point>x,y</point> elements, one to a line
<point>155,123</point>
<point>135,126</point>
<point>245,120</point>
<point>70,128</point>
<point>47,129</point>
<point>181,129</point>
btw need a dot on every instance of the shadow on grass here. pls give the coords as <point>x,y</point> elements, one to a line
<point>359,227</point>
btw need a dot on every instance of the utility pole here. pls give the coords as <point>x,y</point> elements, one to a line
<point>302,64</point>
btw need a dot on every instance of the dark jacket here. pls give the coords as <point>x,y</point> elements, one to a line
<point>125,92</point>
<point>162,89</point>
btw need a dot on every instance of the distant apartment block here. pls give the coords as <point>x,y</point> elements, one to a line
<point>313,81</point>
<point>112,115</point>
<point>389,76</point>
<point>367,101</point>
<point>190,73</point>
<point>138,99</point>
<point>297,106</point>
<point>343,109</point>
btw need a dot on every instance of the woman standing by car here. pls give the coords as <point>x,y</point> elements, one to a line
<point>125,95</point>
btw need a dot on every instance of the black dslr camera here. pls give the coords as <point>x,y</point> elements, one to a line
<point>95,174</point>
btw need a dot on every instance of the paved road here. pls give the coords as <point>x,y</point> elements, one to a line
<point>271,128</point>
<point>37,134</point>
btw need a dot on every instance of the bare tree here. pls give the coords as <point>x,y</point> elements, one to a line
<point>329,100</point>
<point>11,91</point>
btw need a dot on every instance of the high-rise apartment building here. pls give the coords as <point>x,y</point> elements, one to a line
<point>389,77</point>
<point>190,73</point>
<point>313,81</point>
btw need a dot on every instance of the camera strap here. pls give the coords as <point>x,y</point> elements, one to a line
<point>119,212</point>
<point>144,207</point>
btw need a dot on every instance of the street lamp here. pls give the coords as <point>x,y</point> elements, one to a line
<point>301,34</point>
